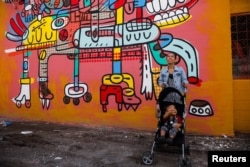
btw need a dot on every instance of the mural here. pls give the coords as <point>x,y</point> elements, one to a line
<point>112,31</point>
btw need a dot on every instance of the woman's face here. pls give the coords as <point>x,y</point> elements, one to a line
<point>170,58</point>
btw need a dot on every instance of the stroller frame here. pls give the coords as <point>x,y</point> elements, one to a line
<point>165,99</point>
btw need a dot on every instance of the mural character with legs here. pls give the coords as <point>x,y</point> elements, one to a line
<point>80,28</point>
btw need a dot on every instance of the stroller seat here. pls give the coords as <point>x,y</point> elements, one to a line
<point>170,96</point>
<point>167,97</point>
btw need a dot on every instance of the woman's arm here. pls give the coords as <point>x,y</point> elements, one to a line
<point>162,78</point>
<point>184,78</point>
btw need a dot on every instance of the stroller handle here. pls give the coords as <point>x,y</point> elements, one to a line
<point>167,90</point>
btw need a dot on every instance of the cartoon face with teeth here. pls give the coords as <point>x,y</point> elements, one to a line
<point>169,12</point>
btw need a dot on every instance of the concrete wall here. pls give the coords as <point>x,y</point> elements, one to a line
<point>69,73</point>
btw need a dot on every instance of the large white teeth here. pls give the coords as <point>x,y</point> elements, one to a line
<point>185,10</point>
<point>169,21</point>
<point>178,12</point>
<point>156,4</point>
<point>157,18</point>
<point>172,17</point>
<point>171,3</point>
<point>171,14</point>
<point>180,15</point>
<point>181,1</point>
<point>164,5</point>
<point>150,7</point>
<point>165,15</point>
<point>161,5</point>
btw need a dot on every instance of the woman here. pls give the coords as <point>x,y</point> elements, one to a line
<point>172,75</point>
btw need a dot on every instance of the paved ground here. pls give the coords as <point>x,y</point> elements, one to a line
<point>58,145</point>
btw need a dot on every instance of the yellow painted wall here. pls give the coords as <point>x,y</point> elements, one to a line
<point>241,88</point>
<point>206,35</point>
<point>241,105</point>
<point>239,6</point>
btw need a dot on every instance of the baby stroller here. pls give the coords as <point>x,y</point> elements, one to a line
<point>167,97</point>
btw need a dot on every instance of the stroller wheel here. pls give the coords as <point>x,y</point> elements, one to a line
<point>184,162</point>
<point>147,158</point>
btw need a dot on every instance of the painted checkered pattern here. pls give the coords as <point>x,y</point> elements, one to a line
<point>156,74</point>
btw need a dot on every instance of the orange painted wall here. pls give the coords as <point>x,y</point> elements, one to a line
<point>206,34</point>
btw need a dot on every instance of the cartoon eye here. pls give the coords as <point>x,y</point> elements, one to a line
<point>25,34</point>
<point>60,22</point>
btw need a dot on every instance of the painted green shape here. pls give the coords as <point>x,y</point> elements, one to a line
<point>27,53</point>
<point>86,3</point>
<point>76,63</point>
<point>157,54</point>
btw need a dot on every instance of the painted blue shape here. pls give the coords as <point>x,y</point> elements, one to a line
<point>139,3</point>
<point>116,67</point>
<point>165,40</point>
<point>112,4</point>
<point>25,65</point>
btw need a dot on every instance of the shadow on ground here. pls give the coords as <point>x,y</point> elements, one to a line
<point>39,144</point>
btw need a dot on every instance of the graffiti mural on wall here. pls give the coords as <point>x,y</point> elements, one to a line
<point>114,30</point>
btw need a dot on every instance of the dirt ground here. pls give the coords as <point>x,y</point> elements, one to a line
<point>60,145</point>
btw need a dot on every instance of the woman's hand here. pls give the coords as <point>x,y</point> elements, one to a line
<point>184,85</point>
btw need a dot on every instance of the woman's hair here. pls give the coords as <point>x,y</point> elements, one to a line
<point>175,55</point>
